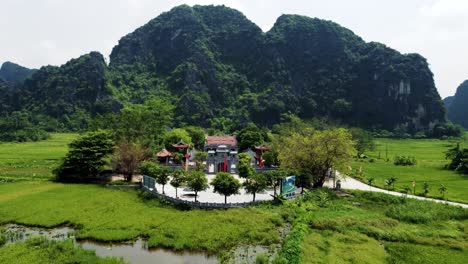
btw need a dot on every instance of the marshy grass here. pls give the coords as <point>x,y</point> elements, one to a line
<point>103,214</point>
<point>41,250</point>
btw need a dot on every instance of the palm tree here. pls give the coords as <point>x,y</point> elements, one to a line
<point>370,181</point>
<point>393,179</point>
<point>387,184</point>
<point>442,190</point>
<point>425,189</point>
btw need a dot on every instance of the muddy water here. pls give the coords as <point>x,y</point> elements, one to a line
<point>136,252</point>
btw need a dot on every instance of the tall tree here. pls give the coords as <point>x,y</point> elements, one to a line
<point>252,136</point>
<point>175,136</point>
<point>127,158</point>
<point>162,176</point>
<point>143,123</point>
<point>86,157</point>
<point>314,152</point>
<point>255,183</point>
<point>178,179</point>
<point>225,184</point>
<point>197,135</point>
<point>303,180</point>
<point>274,178</point>
<point>364,140</point>
<point>244,166</point>
<point>197,181</point>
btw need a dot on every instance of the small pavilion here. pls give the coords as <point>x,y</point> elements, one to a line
<point>184,147</point>
<point>164,156</point>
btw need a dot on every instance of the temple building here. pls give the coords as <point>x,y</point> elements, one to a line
<point>222,154</point>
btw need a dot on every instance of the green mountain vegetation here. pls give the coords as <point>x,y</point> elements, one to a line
<point>457,108</point>
<point>219,70</point>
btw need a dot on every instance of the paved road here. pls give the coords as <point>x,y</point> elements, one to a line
<point>353,184</point>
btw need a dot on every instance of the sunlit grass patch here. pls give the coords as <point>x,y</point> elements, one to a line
<point>33,160</point>
<point>430,156</point>
<point>332,247</point>
<point>412,253</point>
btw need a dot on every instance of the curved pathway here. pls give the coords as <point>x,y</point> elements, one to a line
<point>353,184</point>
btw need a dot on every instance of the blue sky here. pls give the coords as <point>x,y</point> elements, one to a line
<point>42,32</point>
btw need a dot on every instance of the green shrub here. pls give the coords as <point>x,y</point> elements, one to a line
<point>404,161</point>
<point>261,258</point>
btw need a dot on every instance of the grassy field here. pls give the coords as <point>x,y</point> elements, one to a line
<point>376,228</point>
<point>112,215</point>
<point>430,156</point>
<point>33,160</point>
<point>361,228</point>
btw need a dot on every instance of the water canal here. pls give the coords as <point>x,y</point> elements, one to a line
<point>132,252</point>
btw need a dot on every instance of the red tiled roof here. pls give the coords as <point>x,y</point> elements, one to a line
<point>221,140</point>
<point>181,144</point>
<point>164,154</point>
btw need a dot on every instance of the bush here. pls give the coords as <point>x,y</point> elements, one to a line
<point>446,130</point>
<point>261,258</point>
<point>404,161</point>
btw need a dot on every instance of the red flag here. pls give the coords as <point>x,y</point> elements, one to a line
<point>225,164</point>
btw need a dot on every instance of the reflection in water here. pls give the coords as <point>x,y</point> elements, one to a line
<point>131,252</point>
<point>136,253</point>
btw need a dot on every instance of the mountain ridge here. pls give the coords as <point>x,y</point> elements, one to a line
<point>458,108</point>
<point>218,67</point>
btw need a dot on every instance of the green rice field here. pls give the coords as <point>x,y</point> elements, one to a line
<point>430,156</point>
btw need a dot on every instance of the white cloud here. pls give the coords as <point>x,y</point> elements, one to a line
<point>446,8</point>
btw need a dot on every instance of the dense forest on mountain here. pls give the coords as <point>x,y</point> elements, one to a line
<point>219,70</point>
<point>457,108</point>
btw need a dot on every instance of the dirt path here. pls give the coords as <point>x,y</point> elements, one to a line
<point>353,184</point>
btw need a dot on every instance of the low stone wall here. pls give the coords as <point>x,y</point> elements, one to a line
<point>123,187</point>
<point>194,204</point>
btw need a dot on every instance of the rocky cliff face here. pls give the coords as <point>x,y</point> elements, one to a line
<point>14,74</point>
<point>76,89</point>
<point>218,63</point>
<point>458,107</point>
<point>219,69</point>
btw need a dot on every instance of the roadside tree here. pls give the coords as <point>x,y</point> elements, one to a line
<point>314,152</point>
<point>197,181</point>
<point>255,183</point>
<point>225,184</point>
<point>178,179</point>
